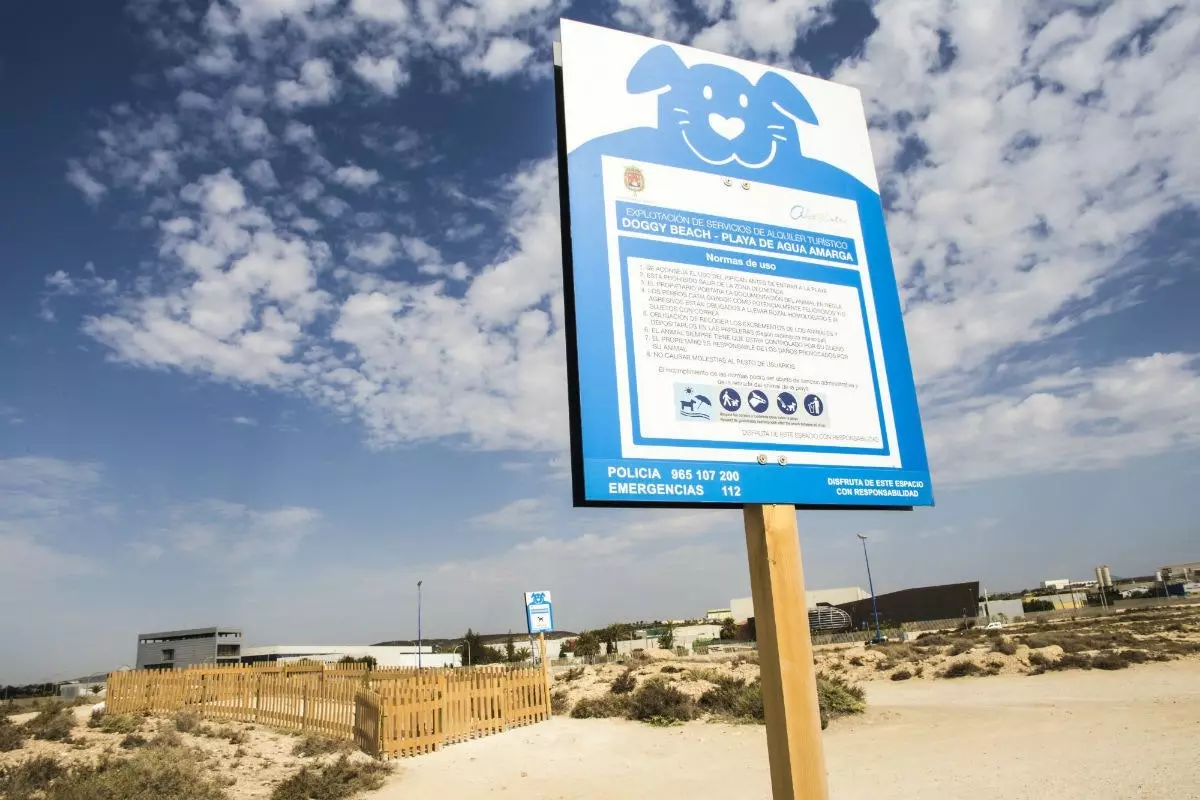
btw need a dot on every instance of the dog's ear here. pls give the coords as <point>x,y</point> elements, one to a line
<point>774,88</point>
<point>658,68</point>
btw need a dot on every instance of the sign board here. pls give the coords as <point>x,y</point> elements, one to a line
<point>734,325</point>
<point>539,612</point>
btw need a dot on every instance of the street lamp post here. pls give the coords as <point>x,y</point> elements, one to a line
<point>419,624</point>
<point>871,584</point>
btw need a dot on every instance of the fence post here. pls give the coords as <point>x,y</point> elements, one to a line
<point>545,672</point>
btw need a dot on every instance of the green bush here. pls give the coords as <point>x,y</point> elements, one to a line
<point>609,705</point>
<point>53,725</point>
<point>838,698</point>
<point>115,723</point>
<point>150,774</point>
<point>655,698</point>
<point>30,778</point>
<point>625,683</point>
<point>735,699</point>
<point>336,781</point>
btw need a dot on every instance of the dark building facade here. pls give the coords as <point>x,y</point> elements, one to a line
<point>948,601</point>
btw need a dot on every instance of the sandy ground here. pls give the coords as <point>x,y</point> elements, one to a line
<point>1069,735</point>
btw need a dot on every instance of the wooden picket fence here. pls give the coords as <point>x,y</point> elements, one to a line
<point>387,713</point>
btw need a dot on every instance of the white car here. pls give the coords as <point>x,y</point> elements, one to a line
<point>993,626</point>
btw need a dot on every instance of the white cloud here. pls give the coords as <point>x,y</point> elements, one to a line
<point>231,532</point>
<point>299,134</point>
<point>1084,419</point>
<point>378,249</point>
<point>259,173</point>
<point>355,177</point>
<point>79,177</point>
<point>316,86</point>
<point>194,101</point>
<point>385,74</point>
<point>527,514</point>
<point>23,560</point>
<point>504,56</point>
<point>249,422</point>
<point>394,12</point>
<point>249,132</point>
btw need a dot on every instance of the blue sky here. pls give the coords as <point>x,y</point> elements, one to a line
<point>281,320</point>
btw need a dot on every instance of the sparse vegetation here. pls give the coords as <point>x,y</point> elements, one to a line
<point>53,725</point>
<point>560,702</point>
<point>838,698</point>
<point>313,746</point>
<point>150,774</point>
<point>133,741</point>
<point>657,698</point>
<point>30,778</point>
<point>624,683</point>
<point>339,780</point>
<point>572,674</point>
<point>959,648</point>
<point>962,669</point>
<point>609,705</point>
<point>186,721</point>
<point>670,669</point>
<point>11,737</point>
<point>1005,646</point>
<point>735,699</point>
<point>901,675</point>
<point>114,723</point>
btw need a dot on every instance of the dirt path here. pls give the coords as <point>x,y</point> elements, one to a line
<point>1069,736</point>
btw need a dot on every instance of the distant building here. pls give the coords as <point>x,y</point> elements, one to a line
<point>1062,601</point>
<point>72,690</point>
<point>922,604</point>
<point>384,655</point>
<point>718,614</point>
<point>742,608</point>
<point>183,648</point>
<point>1181,573</point>
<point>1056,583</point>
<point>1002,610</point>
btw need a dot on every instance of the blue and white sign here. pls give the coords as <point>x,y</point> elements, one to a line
<point>539,612</point>
<point>736,333</point>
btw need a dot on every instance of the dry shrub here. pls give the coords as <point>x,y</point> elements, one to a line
<point>115,723</point>
<point>961,669</point>
<point>11,737</point>
<point>624,683</point>
<point>656,700</point>
<point>609,705</point>
<point>560,702</point>
<point>1006,646</point>
<point>572,674</point>
<point>901,675</point>
<point>133,741</point>
<point>186,721</point>
<point>151,774</point>
<point>959,648</point>
<point>1110,661</point>
<point>735,699</point>
<point>231,735</point>
<point>934,640</point>
<point>53,725</point>
<point>713,676</point>
<point>30,778</point>
<point>312,746</point>
<point>856,660</point>
<point>670,669</point>
<point>338,780</point>
<point>166,739</point>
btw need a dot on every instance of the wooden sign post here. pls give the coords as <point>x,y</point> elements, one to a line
<point>785,652</point>
<point>545,669</point>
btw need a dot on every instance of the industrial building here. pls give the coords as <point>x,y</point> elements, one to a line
<point>1181,573</point>
<point>948,601</point>
<point>183,648</point>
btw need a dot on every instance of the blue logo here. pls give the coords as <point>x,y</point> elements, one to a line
<point>814,405</point>
<point>758,401</point>
<point>693,402</point>
<point>721,116</point>
<point>786,402</point>
<point>537,598</point>
<point>730,400</point>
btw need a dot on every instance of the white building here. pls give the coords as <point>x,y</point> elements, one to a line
<point>384,655</point>
<point>742,608</point>
<point>1056,583</point>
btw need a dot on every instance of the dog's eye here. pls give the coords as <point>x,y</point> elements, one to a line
<point>708,93</point>
<point>745,101</point>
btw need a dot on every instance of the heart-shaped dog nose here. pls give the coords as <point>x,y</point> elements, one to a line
<point>728,127</point>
